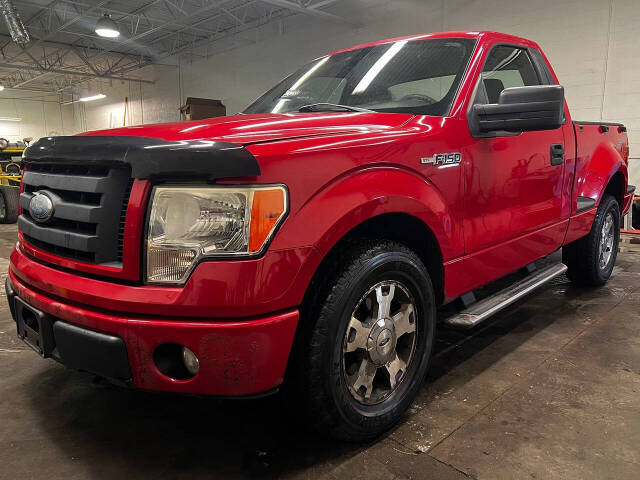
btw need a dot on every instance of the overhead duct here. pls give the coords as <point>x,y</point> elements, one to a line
<point>17,29</point>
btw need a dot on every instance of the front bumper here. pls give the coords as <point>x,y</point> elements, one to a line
<point>237,358</point>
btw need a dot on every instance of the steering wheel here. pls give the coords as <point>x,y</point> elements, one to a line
<point>419,96</point>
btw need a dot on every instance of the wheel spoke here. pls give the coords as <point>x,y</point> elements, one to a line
<point>384,302</point>
<point>402,320</point>
<point>394,367</point>
<point>364,378</point>
<point>370,341</point>
<point>357,335</point>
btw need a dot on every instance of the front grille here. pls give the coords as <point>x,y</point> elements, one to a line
<point>90,205</point>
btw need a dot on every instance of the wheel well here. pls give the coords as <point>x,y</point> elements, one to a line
<point>399,227</point>
<point>615,187</point>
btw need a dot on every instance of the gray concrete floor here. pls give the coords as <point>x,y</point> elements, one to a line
<point>550,389</point>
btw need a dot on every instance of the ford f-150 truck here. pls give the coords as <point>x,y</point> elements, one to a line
<point>310,240</point>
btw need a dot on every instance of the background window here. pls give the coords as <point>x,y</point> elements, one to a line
<point>507,67</point>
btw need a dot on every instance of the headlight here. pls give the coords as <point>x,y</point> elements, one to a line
<point>190,223</point>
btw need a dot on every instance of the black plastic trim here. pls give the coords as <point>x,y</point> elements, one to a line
<point>631,189</point>
<point>585,203</point>
<point>148,157</point>
<point>94,352</point>
<point>610,124</point>
<point>8,288</point>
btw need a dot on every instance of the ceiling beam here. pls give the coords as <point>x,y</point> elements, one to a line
<point>79,16</point>
<point>311,11</point>
<point>115,53</point>
<point>29,80</point>
<point>12,66</point>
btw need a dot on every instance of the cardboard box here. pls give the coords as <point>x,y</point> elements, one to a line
<point>200,108</point>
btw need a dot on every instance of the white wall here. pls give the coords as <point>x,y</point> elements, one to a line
<point>145,103</point>
<point>591,43</point>
<point>40,114</point>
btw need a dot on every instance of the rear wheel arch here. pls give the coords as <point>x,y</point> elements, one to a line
<point>615,187</point>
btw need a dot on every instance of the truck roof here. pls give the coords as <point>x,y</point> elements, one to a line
<point>480,35</point>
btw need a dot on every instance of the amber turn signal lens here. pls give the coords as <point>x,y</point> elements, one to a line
<point>267,208</point>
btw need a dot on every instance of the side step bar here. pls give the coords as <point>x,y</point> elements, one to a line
<point>480,311</point>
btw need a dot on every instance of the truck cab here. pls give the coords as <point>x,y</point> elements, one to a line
<point>310,240</point>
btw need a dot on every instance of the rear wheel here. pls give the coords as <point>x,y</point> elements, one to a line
<point>368,348</point>
<point>591,259</point>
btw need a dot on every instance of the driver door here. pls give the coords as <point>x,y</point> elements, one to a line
<point>513,195</point>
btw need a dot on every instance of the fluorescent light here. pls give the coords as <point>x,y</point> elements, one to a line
<point>10,119</point>
<point>93,97</point>
<point>378,66</point>
<point>304,77</point>
<point>105,27</point>
<point>107,32</point>
<point>1,87</point>
<point>299,82</point>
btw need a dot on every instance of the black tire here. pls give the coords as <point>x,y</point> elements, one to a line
<point>9,204</point>
<point>329,405</point>
<point>583,256</point>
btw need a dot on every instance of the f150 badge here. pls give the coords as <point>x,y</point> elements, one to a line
<point>442,159</point>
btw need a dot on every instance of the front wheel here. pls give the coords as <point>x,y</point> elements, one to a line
<point>591,259</point>
<point>372,334</point>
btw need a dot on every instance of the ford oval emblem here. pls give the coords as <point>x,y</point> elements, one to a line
<point>40,207</point>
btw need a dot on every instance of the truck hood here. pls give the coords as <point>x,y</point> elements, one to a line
<point>249,129</point>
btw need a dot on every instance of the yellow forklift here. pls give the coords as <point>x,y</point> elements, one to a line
<point>11,154</point>
<point>10,176</point>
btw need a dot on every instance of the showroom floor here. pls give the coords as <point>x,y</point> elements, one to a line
<point>548,390</point>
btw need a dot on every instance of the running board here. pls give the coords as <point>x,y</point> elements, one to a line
<point>480,311</point>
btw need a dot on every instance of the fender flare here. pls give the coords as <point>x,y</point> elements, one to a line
<point>605,162</point>
<point>364,194</point>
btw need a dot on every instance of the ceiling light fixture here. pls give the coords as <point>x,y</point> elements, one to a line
<point>1,87</point>
<point>106,27</point>
<point>10,119</point>
<point>93,97</point>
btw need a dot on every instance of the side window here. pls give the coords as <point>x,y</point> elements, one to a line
<point>507,67</point>
<point>543,68</point>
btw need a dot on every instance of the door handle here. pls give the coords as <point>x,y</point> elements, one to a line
<point>557,154</point>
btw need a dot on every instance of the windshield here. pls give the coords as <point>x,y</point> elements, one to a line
<point>419,77</point>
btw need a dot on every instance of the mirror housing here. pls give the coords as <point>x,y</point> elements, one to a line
<point>522,109</point>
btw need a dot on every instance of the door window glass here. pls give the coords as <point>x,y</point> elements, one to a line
<point>507,67</point>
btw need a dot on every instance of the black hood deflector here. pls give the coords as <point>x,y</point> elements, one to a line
<point>148,157</point>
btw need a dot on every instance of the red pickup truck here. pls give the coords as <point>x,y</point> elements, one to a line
<point>313,237</point>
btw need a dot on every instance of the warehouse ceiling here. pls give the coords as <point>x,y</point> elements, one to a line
<point>64,51</point>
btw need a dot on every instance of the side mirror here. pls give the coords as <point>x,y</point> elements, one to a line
<point>522,109</point>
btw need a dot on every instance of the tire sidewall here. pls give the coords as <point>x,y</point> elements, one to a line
<point>609,205</point>
<point>4,213</point>
<point>410,272</point>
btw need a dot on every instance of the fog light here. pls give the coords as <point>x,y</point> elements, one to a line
<point>190,360</point>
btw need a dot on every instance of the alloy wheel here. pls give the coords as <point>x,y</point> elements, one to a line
<point>379,342</point>
<point>607,237</point>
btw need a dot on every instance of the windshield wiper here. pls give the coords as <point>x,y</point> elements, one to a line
<point>331,107</point>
